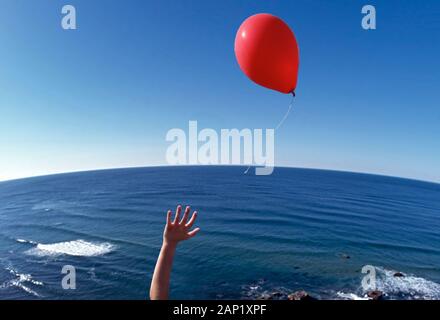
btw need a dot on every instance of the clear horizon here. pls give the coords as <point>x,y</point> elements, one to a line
<point>104,96</point>
<point>219,165</point>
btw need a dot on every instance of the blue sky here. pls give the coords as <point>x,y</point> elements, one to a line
<point>105,95</point>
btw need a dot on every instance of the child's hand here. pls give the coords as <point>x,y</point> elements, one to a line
<point>176,231</point>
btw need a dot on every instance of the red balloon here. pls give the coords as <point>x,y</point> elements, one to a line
<point>267,52</point>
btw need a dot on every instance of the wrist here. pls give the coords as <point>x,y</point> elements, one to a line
<point>169,244</point>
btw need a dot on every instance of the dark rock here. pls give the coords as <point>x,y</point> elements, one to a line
<point>276,294</point>
<point>265,296</point>
<point>399,274</point>
<point>375,295</point>
<point>300,295</point>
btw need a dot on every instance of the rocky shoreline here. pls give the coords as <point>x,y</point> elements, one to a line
<point>257,292</point>
<point>302,295</point>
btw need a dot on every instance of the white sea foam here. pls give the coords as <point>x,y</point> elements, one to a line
<point>19,284</point>
<point>409,286</point>
<point>80,248</point>
<point>21,281</point>
<point>22,277</point>
<point>406,287</point>
<point>350,296</point>
<point>26,241</point>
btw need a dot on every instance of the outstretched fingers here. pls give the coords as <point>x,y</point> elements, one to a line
<point>185,215</point>
<point>169,217</point>
<point>192,220</point>
<point>178,210</point>
<point>192,233</point>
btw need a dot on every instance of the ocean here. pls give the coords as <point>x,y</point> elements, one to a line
<point>297,229</point>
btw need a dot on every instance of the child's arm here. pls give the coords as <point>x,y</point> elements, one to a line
<point>175,231</point>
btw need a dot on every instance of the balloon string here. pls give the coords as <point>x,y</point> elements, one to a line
<point>287,113</point>
<point>280,123</point>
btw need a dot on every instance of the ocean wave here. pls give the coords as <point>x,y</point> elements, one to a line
<point>21,281</point>
<point>350,296</point>
<point>409,287</point>
<point>261,288</point>
<point>392,286</point>
<point>79,248</point>
<point>26,241</point>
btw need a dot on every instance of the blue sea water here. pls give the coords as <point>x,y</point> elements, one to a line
<point>295,229</point>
